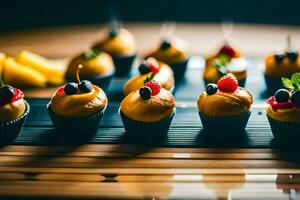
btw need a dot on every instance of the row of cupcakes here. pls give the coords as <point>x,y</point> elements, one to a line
<point>147,111</point>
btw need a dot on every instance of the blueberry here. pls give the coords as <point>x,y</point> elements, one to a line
<point>211,88</point>
<point>144,68</point>
<point>165,45</point>
<point>292,54</point>
<point>71,88</point>
<point>282,95</point>
<point>85,86</point>
<point>145,92</point>
<point>279,57</point>
<point>7,92</point>
<point>295,98</point>
<point>113,33</point>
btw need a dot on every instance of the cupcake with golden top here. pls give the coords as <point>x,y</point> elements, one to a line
<point>160,71</point>
<point>121,45</point>
<point>172,51</point>
<point>13,112</point>
<point>148,110</point>
<point>76,109</point>
<point>224,108</point>
<point>283,110</point>
<point>98,68</point>
<point>281,64</point>
<point>226,60</point>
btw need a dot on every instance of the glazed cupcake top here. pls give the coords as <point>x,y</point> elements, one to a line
<point>76,100</point>
<point>161,73</point>
<point>225,98</point>
<point>170,51</point>
<point>94,61</point>
<point>12,103</point>
<point>285,104</point>
<point>117,42</point>
<point>150,103</point>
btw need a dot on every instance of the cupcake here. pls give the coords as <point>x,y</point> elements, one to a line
<point>280,64</point>
<point>283,110</point>
<point>148,111</point>
<point>172,51</point>
<point>76,109</point>
<point>224,108</point>
<point>226,60</point>
<point>13,112</point>
<point>160,71</point>
<point>98,68</point>
<point>120,44</point>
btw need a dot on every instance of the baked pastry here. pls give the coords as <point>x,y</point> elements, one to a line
<point>226,60</point>
<point>173,52</point>
<point>148,111</point>
<point>121,45</point>
<point>13,112</point>
<point>224,108</point>
<point>283,110</point>
<point>160,71</point>
<point>77,108</point>
<point>98,68</point>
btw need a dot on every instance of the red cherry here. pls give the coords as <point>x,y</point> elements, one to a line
<point>18,94</point>
<point>154,86</point>
<point>228,50</point>
<point>228,83</point>
<point>154,68</point>
<point>60,90</point>
<point>275,105</point>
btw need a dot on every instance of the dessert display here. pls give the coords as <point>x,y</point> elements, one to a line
<point>226,60</point>
<point>28,69</point>
<point>281,64</point>
<point>172,51</point>
<point>224,108</point>
<point>158,71</point>
<point>98,68</point>
<point>283,109</point>
<point>120,44</point>
<point>77,108</point>
<point>13,112</point>
<point>148,111</point>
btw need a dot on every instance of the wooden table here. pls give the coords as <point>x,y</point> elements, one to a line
<point>124,171</point>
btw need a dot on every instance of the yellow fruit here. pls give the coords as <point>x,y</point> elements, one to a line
<point>43,65</point>
<point>16,74</point>
<point>2,58</point>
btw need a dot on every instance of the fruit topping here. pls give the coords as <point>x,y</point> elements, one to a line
<point>292,54</point>
<point>60,91</point>
<point>154,67</point>
<point>85,86</point>
<point>295,98</point>
<point>228,83</point>
<point>71,88</point>
<point>282,95</point>
<point>144,68</point>
<point>228,50</point>
<point>279,57</point>
<point>154,86</point>
<point>276,105</point>
<point>145,92</point>
<point>149,65</point>
<point>211,89</point>
<point>6,92</point>
<point>165,45</point>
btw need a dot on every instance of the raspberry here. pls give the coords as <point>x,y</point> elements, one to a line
<point>154,86</point>
<point>154,68</point>
<point>228,83</point>
<point>60,90</point>
<point>228,50</point>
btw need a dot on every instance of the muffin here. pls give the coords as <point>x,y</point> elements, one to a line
<point>173,52</point>
<point>226,60</point>
<point>160,71</point>
<point>120,44</point>
<point>148,111</point>
<point>13,112</point>
<point>98,68</point>
<point>76,109</point>
<point>224,108</point>
<point>280,64</point>
<point>283,110</point>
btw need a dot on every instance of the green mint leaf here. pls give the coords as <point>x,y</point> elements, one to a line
<point>149,78</point>
<point>93,53</point>
<point>287,83</point>
<point>221,63</point>
<point>296,80</point>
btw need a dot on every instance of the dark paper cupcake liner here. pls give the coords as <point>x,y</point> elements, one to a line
<point>146,130</point>
<point>79,127</point>
<point>285,131</point>
<point>9,131</point>
<point>123,65</point>
<point>103,81</point>
<point>272,84</point>
<point>222,127</point>
<point>241,82</point>
<point>179,70</point>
